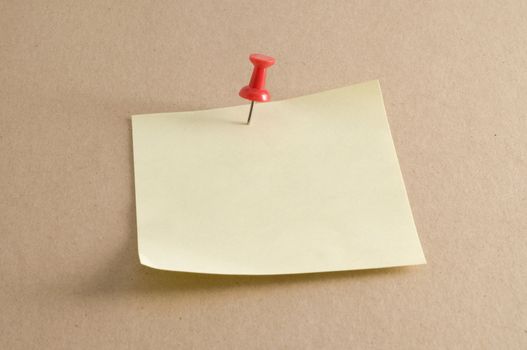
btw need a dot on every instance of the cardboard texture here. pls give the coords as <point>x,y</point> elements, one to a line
<point>453,78</point>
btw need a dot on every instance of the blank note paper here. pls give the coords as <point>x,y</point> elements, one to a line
<point>312,185</point>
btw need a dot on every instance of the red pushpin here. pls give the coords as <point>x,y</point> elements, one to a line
<point>256,91</point>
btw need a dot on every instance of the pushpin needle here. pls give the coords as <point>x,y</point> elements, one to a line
<point>255,91</point>
<point>250,113</point>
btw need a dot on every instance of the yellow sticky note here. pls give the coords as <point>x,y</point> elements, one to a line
<point>312,185</point>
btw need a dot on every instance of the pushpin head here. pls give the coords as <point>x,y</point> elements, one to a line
<point>256,91</point>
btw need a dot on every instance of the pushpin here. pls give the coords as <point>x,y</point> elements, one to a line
<point>256,91</point>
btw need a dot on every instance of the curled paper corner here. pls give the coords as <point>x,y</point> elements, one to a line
<point>144,260</point>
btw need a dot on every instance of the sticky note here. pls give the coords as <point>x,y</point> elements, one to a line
<point>312,185</point>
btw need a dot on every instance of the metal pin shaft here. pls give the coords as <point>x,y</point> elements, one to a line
<point>250,113</point>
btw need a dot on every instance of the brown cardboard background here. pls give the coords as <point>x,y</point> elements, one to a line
<point>454,79</point>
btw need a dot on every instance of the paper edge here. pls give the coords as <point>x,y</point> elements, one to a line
<point>137,116</point>
<point>378,86</point>
<point>145,261</point>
